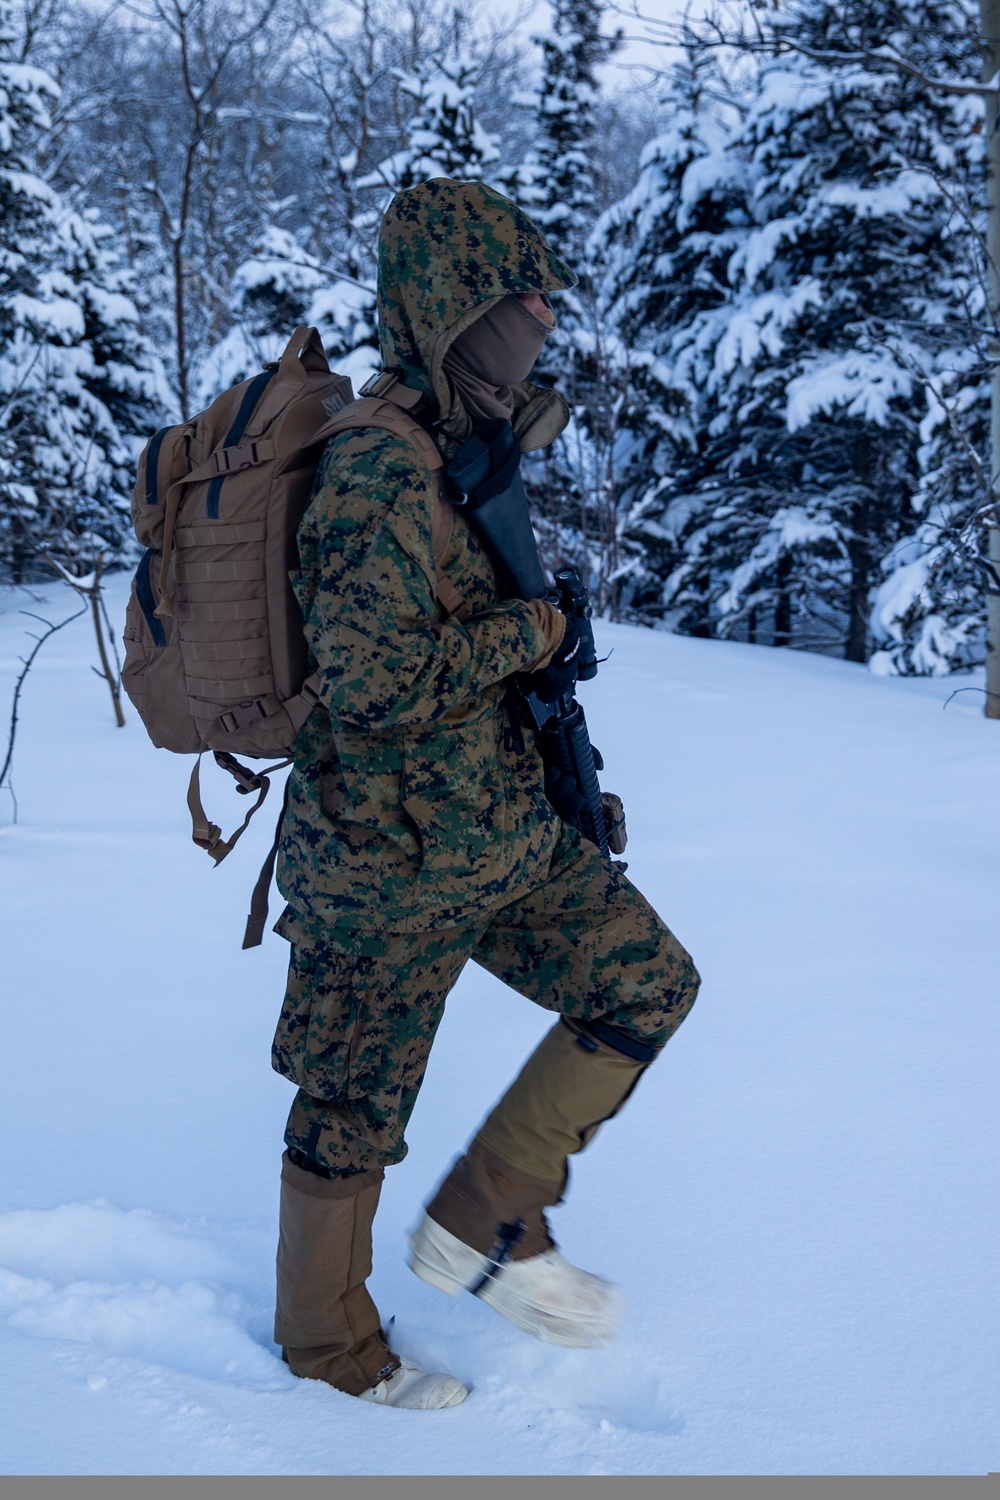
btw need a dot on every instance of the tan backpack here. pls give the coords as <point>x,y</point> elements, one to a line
<point>215,655</point>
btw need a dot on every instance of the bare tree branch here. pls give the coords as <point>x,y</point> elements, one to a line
<point>89,587</point>
<point>28,662</point>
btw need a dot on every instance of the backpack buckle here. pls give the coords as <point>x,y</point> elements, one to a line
<point>379,383</point>
<point>233,460</point>
<point>246,780</point>
<point>243,715</point>
<point>384,382</point>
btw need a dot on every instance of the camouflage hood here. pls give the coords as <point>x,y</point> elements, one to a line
<point>448,251</point>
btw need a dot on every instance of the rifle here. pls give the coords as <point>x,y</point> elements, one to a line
<point>484,479</point>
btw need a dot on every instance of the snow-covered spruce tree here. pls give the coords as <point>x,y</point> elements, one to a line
<point>556,183</point>
<point>814,368</point>
<point>79,386</point>
<point>272,293</point>
<point>928,614</point>
<point>283,283</point>
<point>573,485</point>
<point>665,247</point>
<point>443,136</point>
<point>443,139</point>
<point>26,203</point>
<point>345,308</point>
<point>122,393</point>
<point>279,287</point>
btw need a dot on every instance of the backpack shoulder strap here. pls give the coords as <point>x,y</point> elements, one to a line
<point>380,411</point>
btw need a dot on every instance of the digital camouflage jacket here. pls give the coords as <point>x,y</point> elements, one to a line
<point>406,807</point>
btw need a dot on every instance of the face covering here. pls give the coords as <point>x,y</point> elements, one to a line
<point>495,353</point>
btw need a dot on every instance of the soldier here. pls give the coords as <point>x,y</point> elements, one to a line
<point>417,836</point>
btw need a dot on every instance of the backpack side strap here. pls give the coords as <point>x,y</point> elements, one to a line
<point>208,835</point>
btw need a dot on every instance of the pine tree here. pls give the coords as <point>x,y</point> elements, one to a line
<point>111,390</point>
<point>345,310</point>
<point>666,247</point>
<point>443,139</point>
<point>79,385</point>
<point>557,180</point>
<point>279,287</point>
<point>572,486</point>
<point>812,371</point>
<point>928,615</point>
<point>443,136</point>
<point>26,204</point>
<point>272,293</point>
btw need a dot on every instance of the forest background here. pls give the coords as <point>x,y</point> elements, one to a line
<point>777,357</point>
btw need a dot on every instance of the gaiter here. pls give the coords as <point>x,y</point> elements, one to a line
<point>494,354</point>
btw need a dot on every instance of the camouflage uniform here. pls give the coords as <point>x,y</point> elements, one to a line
<point>415,837</point>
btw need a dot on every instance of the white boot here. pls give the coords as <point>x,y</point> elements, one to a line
<point>413,1389</point>
<point>543,1295</point>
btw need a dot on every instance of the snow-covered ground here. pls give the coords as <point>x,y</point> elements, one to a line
<point>801,1200</point>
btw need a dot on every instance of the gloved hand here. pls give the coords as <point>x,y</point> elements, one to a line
<point>559,676</point>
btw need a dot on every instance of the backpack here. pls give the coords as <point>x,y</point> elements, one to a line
<point>215,653</point>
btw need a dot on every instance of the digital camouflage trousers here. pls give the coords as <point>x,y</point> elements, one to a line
<point>356,1026</point>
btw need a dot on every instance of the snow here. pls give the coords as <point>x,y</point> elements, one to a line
<point>443,136</point>
<point>907,189</point>
<point>238,355</point>
<point>863,383</point>
<point>280,263</point>
<point>800,1200</point>
<point>782,92</point>
<point>760,248</point>
<point>760,324</point>
<point>898,593</point>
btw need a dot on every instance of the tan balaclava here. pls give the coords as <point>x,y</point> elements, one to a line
<point>495,353</point>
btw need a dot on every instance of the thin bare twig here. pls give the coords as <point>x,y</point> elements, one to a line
<point>955,694</point>
<point>27,665</point>
<point>90,588</point>
<point>975,461</point>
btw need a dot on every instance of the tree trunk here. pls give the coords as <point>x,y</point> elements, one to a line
<point>783,606</point>
<point>859,556</point>
<point>180,331</point>
<point>702,627</point>
<point>989,11</point>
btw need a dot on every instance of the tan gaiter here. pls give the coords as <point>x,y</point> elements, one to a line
<point>325,1319</point>
<point>481,1193</point>
<point>493,354</point>
<point>557,1102</point>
